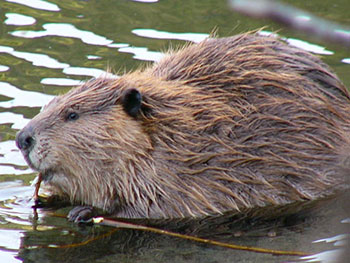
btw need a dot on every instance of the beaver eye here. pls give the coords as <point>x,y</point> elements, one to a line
<point>72,116</point>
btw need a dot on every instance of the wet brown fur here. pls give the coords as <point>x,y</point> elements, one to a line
<point>227,124</point>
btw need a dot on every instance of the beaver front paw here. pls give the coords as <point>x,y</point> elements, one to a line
<point>81,215</point>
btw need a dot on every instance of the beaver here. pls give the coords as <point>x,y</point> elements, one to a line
<point>224,125</point>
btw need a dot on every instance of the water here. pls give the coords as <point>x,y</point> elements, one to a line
<point>46,47</point>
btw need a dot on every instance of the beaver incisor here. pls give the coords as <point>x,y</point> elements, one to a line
<point>227,124</point>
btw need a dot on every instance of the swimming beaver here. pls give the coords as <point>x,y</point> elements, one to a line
<point>227,124</point>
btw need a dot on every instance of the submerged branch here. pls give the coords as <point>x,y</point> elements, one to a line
<point>118,224</point>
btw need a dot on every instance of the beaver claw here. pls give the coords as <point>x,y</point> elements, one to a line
<point>81,215</point>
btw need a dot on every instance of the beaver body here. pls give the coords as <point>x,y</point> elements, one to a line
<point>224,125</point>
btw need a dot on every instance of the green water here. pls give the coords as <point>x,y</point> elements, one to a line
<point>47,47</point>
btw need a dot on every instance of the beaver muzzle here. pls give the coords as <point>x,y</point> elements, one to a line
<point>31,146</point>
<point>25,142</point>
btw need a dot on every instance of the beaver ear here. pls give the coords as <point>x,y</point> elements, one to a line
<point>131,101</point>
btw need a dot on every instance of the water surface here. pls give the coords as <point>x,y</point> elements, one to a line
<point>46,47</point>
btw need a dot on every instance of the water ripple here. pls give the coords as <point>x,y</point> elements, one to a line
<point>4,68</point>
<point>152,33</point>
<point>302,44</point>
<point>64,30</point>
<point>19,20</point>
<point>22,97</point>
<point>37,4</point>
<point>11,155</point>
<point>60,81</point>
<point>41,60</point>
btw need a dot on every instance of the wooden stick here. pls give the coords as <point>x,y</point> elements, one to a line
<point>37,187</point>
<point>118,224</point>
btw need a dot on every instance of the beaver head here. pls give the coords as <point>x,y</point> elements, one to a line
<point>83,140</point>
<point>226,124</point>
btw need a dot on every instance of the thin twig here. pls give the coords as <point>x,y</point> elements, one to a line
<point>37,187</point>
<point>118,224</point>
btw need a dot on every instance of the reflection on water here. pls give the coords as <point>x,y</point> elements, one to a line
<point>37,4</point>
<point>316,49</point>
<point>60,82</point>
<point>48,46</point>
<point>152,33</point>
<point>64,30</point>
<point>146,1</point>
<point>93,72</point>
<point>18,19</point>
<point>41,60</point>
<point>309,47</point>
<point>4,68</point>
<point>22,97</point>
<point>142,53</point>
<point>338,241</point>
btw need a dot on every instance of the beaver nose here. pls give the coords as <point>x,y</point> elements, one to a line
<point>25,139</point>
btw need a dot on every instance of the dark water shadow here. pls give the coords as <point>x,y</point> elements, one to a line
<point>266,228</point>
